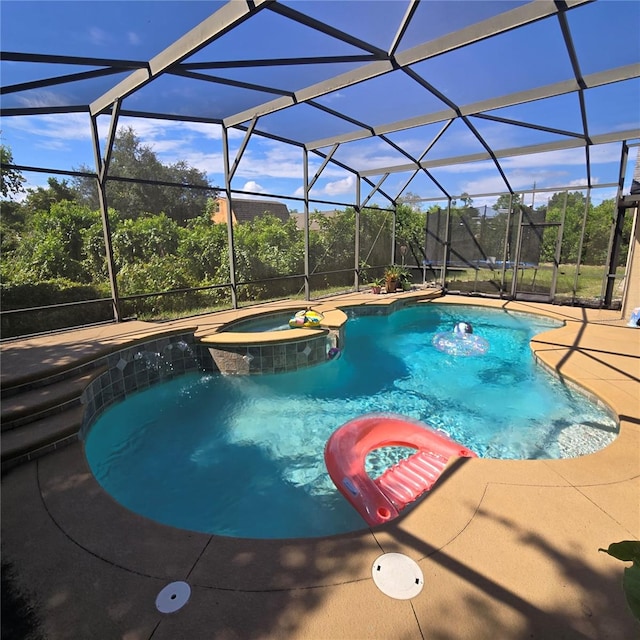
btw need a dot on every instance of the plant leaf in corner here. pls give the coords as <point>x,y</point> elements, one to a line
<point>631,586</point>
<point>627,551</point>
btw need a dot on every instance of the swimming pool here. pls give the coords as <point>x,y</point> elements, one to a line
<point>243,456</point>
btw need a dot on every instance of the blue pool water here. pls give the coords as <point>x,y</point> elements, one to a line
<point>243,456</point>
<point>270,322</point>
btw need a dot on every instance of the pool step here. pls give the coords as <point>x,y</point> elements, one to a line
<point>41,436</point>
<point>37,402</point>
<point>43,415</point>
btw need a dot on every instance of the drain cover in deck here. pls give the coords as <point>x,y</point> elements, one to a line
<point>173,597</point>
<point>397,576</point>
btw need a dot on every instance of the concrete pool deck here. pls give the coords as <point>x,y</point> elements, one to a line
<point>508,549</point>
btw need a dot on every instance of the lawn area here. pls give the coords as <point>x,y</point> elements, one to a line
<point>536,280</point>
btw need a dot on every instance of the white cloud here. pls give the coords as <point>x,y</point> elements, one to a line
<point>252,185</point>
<point>98,36</point>
<point>42,98</point>
<point>331,97</point>
<point>267,159</point>
<point>268,166</point>
<point>56,129</point>
<point>346,185</point>
<point>133,38</point>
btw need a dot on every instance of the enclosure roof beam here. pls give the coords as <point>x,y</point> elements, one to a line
<point>528,13</point>
<point>275,62</point>
<point>325,162</point>
<point>194,75</point>
<point>404,25</point>
<point>38,111</point>
<point>50,82</point>
<point>620,74</point>
<point>288,12</point>
<point>558,145</point>
<point>47,58</point>
<point>374,190</point>
<point>217,24</point>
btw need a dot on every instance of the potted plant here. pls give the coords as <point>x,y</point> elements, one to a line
<point>392,277</point>
<point>376,285</point>
<point>405,279</point>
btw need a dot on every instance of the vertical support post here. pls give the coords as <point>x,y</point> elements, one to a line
<point>447,245</point>
<point>580,242</point>
<point>230,241</point>
<point>102,168</point>
<point>506,247</point>
<point>558,253</point>
<point>356,241</point>
<point>614,253</point>
<point>307,270</point>
<point>616,232</point>
<point>516,261</point>
<point>393,234</point>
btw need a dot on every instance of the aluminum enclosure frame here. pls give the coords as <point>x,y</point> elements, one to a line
<point>376,62</point>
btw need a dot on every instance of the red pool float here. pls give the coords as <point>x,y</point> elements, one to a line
<point>382,499</point>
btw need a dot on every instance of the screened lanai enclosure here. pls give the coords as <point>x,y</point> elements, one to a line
<point>162,159</point>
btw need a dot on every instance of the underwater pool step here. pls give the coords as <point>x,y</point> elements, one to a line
<point>46,399</point>
<point>39,437</point>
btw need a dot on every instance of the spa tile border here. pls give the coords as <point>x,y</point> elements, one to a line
<point>138,367</point>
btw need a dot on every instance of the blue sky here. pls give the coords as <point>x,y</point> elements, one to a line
<point>140,30</point>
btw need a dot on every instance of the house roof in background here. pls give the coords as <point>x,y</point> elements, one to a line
<point>246,210</point>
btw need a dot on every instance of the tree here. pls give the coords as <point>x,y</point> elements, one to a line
<point>411,199</point>
<point>10,179</point>
<point>52,244</point>
<point>136,241</point>
<point>598,232</point>
<point>503,201</point>
<point>574,215</point>
<point>467,201</point>
<point>132,159</point>
<point>333,250</point>
<point>376,226</point>
<point>203,248</point>
<point>268,248</point>
<point>410,224</point>
<point>42,199</point>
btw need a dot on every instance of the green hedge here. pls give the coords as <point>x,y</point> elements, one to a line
<point>26,296</point>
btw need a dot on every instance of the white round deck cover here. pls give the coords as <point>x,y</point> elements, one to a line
<point>397,576</point>
<point>173,597</point>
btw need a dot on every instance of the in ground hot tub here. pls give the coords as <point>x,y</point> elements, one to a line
<point>265,343</point>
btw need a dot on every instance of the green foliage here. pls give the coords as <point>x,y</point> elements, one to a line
<point>52,245</point>
<point>51,292</point>
<point>42,199</point>
<point>629,551</point>
<point>410,225</point>
<point>574,213</point>
<point>133,159</point>
<point>54,237</point>
<point>204,250</point>
<point>10,179</point>
<point>503,202</point>
<point>376,227</point>
<point>267,248</point>
<point>331,249</point>
<point>12,221</point>
<point>393,272</point>
<point>140,240</point>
